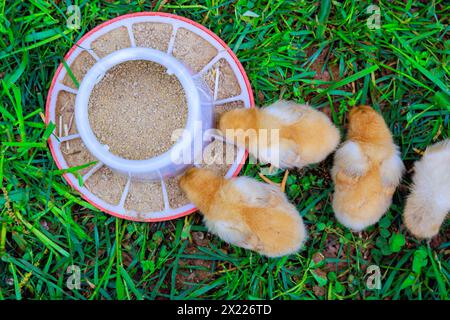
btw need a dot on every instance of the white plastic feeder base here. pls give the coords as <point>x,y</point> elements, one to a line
<point>200,99</point>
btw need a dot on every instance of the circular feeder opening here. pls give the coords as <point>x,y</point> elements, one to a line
<point>135,108</point>
<point>142,185</point>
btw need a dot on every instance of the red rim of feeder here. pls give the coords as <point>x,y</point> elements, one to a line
<point>90,33</point>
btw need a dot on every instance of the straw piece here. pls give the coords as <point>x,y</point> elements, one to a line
<point>283,182</point>
<point>64,109</point>
<point>268,180</point>
<point>66,133</point>
<point>228,86</point>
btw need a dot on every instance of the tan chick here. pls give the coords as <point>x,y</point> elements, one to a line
<point>305,135</point>
<point>367,169</point>
<point>246,213</point>
<point>429,201</point>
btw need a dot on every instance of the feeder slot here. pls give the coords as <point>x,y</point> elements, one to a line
<point>172,38</point>
<point>125,193</point>
<point>165,195</point>
<point>69,137</point>
<point>93,170</point>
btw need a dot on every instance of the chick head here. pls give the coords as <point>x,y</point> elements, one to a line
<point>367,125</point>
<point>239,126</point>
<point>199,185</point>
<point>238,119</point>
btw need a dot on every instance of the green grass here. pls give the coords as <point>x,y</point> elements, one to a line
<point>314,51</point>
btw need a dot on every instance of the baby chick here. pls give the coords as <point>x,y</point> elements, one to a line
<point>305,135</point>
<point>367,169</point>
<point>244,212</point>
<point>429,201</point>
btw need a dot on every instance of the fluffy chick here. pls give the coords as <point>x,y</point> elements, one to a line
<point>305,135</point>
<point>429,200</point>
<point>244,212</point>
<point>367,169</point>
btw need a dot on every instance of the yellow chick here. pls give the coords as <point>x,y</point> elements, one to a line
<point>285,134</point>
<point>429,200</point>
<point>246,213</point>
<point>367,169</point>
